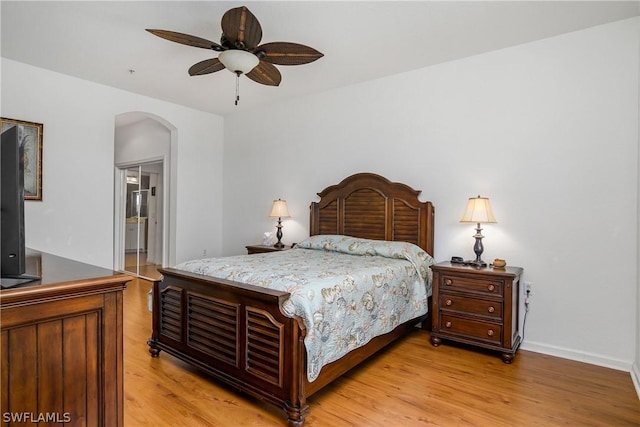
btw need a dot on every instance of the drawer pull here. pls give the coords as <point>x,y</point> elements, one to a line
<point>448,324</point>
<point>490,332</point>
<point>491,288</point>
<point>448,303</point>
<point>448,282</point>
<point>491,309</point>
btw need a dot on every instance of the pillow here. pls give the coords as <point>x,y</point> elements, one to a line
<point>368,247</point>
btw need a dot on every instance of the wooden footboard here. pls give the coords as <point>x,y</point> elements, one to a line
<point>237,334</point>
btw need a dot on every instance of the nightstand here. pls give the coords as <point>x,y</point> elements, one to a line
<point>259,249</point>
<point>477,306</point>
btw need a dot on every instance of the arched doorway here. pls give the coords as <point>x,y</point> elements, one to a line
<point>143,221</point>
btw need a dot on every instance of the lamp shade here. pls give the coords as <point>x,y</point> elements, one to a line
<point>279,209</point>
<point>478,211</point>
<point>238,61</point>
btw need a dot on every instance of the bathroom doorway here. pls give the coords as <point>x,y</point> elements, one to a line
<point>142,200</point>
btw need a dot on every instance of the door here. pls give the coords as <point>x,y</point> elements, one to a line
<point>142,201</point>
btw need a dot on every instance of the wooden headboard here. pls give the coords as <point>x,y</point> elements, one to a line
<point>370,206</point>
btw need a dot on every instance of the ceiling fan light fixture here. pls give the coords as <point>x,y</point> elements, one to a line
<point>241,35</point>
<point>238,61</point>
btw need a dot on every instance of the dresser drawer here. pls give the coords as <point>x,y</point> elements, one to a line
<point>462,304</point>
<point>476,329</point>
<point>477,285</point>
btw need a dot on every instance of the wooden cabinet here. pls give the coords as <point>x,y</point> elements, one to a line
<point>478,306</point>
<point>61,356</point>
<point>258,249</point>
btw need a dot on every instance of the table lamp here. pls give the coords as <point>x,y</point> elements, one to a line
<point>478,211</point>
<point>279,210</point>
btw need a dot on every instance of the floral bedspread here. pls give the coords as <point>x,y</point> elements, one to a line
<point>346,290</point>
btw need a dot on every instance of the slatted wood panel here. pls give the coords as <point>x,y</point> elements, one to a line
<point>264,346</point>
<point>406,222</point>
<point>328,223</point>
<point>23,364</point>
<point>55,364</point>
<point>171,319</point>
<point>75,368</point>
<point>51,369</point>
<point>365,213</point>
<point>213,327</point>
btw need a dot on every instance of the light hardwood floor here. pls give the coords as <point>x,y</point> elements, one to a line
<point>137,264</point>
<point>409,384</point>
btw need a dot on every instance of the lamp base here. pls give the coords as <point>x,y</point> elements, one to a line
<point>478,248</point>
<point>476,263</point>
<point>279,244</point>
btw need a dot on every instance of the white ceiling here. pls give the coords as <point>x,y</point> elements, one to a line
<point>363,40</point>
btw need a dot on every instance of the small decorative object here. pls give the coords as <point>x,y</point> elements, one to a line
<point>478,211</point>
<point>267,238</point>
<point>30,135</point>
<point>279,210</point>
<point>499,263</point>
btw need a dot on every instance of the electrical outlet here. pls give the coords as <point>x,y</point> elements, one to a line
<point>527,287</point>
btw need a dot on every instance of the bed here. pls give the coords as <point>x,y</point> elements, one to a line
<point>247,337</point>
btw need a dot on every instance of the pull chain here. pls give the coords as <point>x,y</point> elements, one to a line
<point>238,86</point>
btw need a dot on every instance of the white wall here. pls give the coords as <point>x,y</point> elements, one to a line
<point>141,141</point>
<point>75,218</point>
<point>547,130</point>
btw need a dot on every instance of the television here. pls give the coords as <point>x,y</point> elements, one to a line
<point>12,243</point>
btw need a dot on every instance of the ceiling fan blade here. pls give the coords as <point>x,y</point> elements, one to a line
<point>241,28</point>
<point>265,74</point>
<point>207,66</point>
<point>284,53</point>
<point>186,39</point>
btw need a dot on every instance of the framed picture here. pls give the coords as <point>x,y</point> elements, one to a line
<point>30,135</point>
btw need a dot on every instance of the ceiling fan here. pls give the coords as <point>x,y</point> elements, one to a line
<point>240,51</point>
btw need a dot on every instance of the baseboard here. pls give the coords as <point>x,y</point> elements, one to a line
<point>580,356</point>
<point>635,377</point>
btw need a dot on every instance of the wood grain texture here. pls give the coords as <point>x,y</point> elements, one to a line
<point>76,377</point>
<point>51,364</point>
<point>22,344</point>
<point>409,384</point>
<point>61,346</point>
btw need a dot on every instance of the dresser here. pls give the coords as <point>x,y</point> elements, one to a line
<point>61,357</point>
<point>477,306</point>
